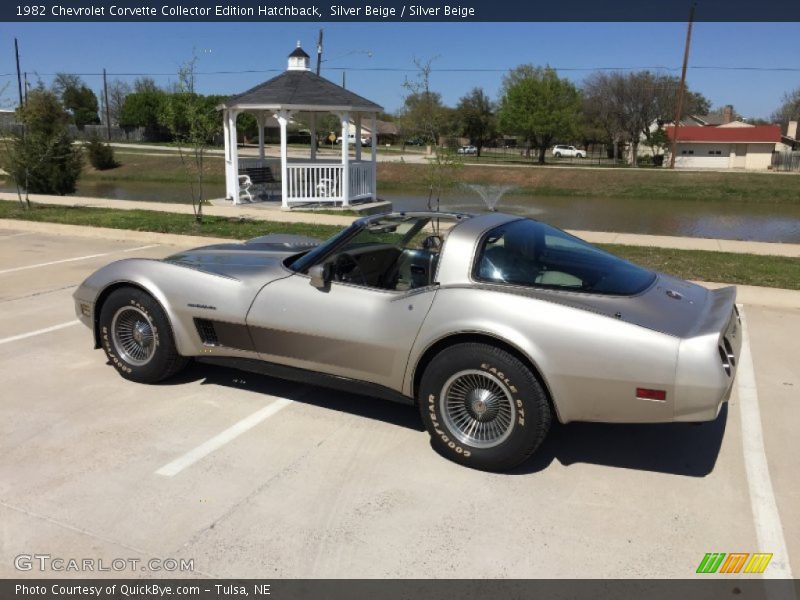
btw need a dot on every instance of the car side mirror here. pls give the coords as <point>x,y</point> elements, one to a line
<point>320,276</point>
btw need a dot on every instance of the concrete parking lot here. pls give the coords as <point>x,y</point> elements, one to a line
<point>326,484</point>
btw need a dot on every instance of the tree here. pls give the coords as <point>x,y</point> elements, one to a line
<point>476,119</point>
<point>194,122</point>
<point>789,110</point>
<point>63,81</point>
<point>145,84</point>
<point>423,115</point>
<point>117,93</point>
<point>43,159</point>
<point>143,109</point>
<point>632,106</point>
<point>77,98</point>
<point>539,106</point>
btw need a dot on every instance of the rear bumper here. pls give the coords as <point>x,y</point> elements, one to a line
<point>707,363</point>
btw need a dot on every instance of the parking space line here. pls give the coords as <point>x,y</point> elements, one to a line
<point>179,464</point>
<point>77,258</point>
<point>15,235</point>
<point>22,336</point>
<point>766,518</point>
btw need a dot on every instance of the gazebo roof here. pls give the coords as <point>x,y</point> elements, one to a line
<point>300,90</point>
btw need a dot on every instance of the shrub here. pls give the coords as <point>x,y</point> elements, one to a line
<point>101,156</point>
<point>44,160</point>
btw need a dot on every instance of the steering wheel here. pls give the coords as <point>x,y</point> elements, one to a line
<point>347,270</point>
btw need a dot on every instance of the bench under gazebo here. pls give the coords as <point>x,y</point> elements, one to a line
<point>315,180</point>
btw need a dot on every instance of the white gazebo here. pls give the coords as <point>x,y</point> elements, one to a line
<point>340,180</point>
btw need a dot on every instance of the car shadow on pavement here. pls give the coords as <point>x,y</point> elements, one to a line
<point>689,449</point>
<point>361,406</point>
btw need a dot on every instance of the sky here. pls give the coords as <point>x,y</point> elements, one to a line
<point>378,57</point>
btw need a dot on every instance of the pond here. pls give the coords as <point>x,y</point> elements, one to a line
<point>762,222</point>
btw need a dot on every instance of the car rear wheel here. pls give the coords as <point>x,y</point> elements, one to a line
<point>137,338</point>
<point>483,407</point>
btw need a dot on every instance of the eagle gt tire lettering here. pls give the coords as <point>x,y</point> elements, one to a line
<point>483,407</point>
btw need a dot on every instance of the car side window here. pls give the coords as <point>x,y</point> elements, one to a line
<point>533,254</point>
<point>399,253</point>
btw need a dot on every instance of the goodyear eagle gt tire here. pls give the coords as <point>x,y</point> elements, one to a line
<point>483,407</point>
<point>137,337</point>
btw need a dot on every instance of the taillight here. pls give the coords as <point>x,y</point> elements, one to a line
<point>650,394</point>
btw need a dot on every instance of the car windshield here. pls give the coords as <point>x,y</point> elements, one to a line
<point>530,253</point>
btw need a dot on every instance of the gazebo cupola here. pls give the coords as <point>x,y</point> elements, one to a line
<point>311,179</point>
<point>299,60</point>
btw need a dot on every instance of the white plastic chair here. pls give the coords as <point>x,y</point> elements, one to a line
<point>245,184</point>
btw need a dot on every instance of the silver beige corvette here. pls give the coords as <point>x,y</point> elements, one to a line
<point>491,324</point>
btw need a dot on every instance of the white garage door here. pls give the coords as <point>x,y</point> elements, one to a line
<point>703,156</point>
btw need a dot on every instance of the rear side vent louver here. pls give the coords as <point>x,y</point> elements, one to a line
<point>726,362</point>
<point>207,332</point>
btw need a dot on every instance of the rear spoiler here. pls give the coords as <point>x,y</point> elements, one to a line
<point>717,312</point>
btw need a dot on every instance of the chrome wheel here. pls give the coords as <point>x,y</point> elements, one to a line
<point>477,408</point>
<point>134,335</point>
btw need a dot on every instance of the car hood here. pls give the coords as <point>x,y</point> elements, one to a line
<point>241,260</point>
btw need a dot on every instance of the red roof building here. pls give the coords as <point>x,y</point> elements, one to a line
<point>731,146</point>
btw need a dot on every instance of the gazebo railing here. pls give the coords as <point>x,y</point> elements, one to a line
<point>361,180</point>
<point>314,182</point>
<point>324,182</point>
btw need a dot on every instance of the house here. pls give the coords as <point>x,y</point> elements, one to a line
<point>388,132</point>
<point>734,145</point>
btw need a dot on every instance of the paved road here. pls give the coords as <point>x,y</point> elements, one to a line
<point>326,484</point>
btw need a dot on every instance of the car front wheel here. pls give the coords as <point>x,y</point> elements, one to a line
<point>483,407</point>
<point>558,154</point>
<point>137,338</point>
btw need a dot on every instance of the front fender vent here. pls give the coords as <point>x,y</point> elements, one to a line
<point>206,331</point>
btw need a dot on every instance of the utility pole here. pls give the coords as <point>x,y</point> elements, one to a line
<point>108,109</point>
<point>681,89</point>
<point>25,86</point>
<point>344,79</point>
<point>19,75</point>
<point>319,51</point>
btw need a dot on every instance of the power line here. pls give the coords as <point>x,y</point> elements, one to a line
<point>440,70</point>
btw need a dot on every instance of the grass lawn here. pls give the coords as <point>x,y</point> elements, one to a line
<point>149,220</point>
<point>644,184</point>
<point>748,269</point>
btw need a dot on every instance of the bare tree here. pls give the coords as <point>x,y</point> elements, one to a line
<point>117,92</point>
<point>789,110</point>
<point>632,107</point>
<point>194,122</point>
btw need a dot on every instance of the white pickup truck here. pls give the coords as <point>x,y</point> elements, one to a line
<point>568,152</point>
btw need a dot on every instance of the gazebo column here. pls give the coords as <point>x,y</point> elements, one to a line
<point>261,118</point>
<point>283,121</point>
<point>374,148</point>
<point>358,137</point>
<point>231,156</point>
<point>313,127</point>
<point>345,117</point>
